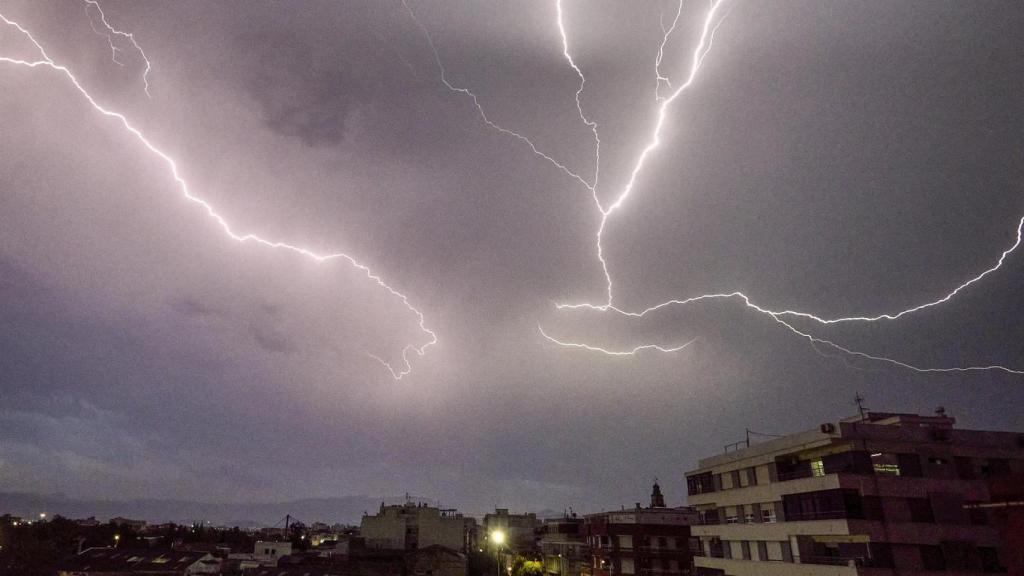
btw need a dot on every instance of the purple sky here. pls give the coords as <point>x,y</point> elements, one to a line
<point>841,158</point>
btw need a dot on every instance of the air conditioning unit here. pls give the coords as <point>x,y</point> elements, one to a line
<point>828,428</point>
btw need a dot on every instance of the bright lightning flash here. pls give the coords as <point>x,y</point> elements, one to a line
<point>713,19</point>
<point>710,26</point>
<point>45,62</point>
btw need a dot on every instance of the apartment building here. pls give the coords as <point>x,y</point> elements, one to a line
<point>520,530</point>
<point>563,546</point>
<point>413,526</point>
<point>879,493</point>
<point>652,541</point>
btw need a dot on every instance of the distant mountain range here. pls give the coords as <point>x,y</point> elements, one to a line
<point>344,509</point>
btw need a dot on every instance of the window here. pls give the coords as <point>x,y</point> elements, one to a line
<point>920,510</point>
<point>731,515</point>
<point>762,551</point>
<point>768,512</point>
<point>932,558</point>
<point>748,513</point>
<point>700,484</point>
<point>817,467</point>
<point>745,549</point>
<point>989,560</point>
<point>662,542</point>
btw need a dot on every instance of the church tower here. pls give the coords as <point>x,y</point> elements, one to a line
<point>657,499</point>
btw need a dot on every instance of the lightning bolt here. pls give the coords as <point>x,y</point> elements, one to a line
<point>46,62</point>
<point>665,33</point>
<point>579,106</point>
<point>112,33</point>
<point>710,26</point>
<point>630,352</point>
<point>480,110</point>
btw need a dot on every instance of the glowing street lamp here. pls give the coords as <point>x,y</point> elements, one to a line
<point>498,538</point>
<point>117,540</point>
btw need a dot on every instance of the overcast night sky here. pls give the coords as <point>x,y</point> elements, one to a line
<point>834,157</point>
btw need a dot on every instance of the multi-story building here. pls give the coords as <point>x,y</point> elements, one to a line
<point>520,530</point>
<point>875,494</point>
<point>413,526</point>
<point>653,541</point>
<point>563,546</point>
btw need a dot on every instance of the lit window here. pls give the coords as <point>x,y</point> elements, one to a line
<point>817,467</point>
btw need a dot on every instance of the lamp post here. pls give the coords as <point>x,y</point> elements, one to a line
<point>498,538</point>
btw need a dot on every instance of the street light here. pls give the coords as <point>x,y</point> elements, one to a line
<point>117,540</point>
<point>498,537</point>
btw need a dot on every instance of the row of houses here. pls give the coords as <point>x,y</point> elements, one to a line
<point>874,494</point>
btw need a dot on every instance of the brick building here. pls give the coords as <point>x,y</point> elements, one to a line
<point>652,541</point>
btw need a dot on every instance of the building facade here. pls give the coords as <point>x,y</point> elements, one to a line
<point>563,546</point>
<point>521,530</point>
<point>414,526</point>
<point>877,494</point>
<point>653,541</point>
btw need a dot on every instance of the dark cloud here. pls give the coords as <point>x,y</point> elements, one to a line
<point>834,157</point>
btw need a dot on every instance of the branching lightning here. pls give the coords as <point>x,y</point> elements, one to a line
<point>661,79</point>
<point>710,26</point>
<point>579,106</point>
<point>46,62</point>
<point>480,110</point>
<point>110,33</point>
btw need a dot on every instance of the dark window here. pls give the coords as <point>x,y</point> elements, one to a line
<point>964,468</point>
<point>709,517</point>
<point>752,476</point>
<point>960,556</point>
<point>822,505</point>
<point>989,558</point>
<point>664,564</point>
<point>998,467</point>
<point>787,551</point>
<point>880,555</point>
<point>735,478</point>
<point>931,558</point>
<point>872,508</point>
<point>716,548</point>
<point>910,465</point>
<point>700,484</point>
<point>662,542</point>
<point>920,510</point>
<point>948,508</point>
<point>762,550</point>
<point>790,468</point>
<point>854,462</point>
<point>745,547</point>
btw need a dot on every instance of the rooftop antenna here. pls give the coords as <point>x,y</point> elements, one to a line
<point>859,400</point>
